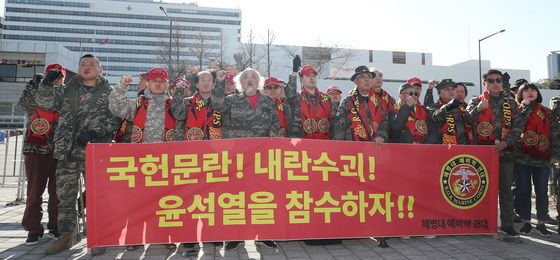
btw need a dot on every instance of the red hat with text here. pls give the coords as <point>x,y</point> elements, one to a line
<point>271,81</point>
<point>56,66</point>
<point>414,80</point>
<point>307,70</point>
<point>158,73</point>
<point>334,89</point>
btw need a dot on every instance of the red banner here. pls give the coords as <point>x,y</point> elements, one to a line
<point>286,189</point>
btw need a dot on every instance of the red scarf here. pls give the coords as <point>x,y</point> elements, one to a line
<point>316,124</point>
<point>122,130</point>
<point>361,129</point>
<point>449,129</point>
<point>41,126</point>
<point>536,136</point>
<point>140,121</point>
<point>484,125</point>
<point>282,116</point>
<point>202,121</point>
<point>416,123</point>
<point>386,100</point>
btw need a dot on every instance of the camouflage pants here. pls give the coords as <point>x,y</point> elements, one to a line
<point>67,177</point>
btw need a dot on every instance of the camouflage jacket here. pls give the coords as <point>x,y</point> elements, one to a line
<point>77,114</point>
<point>239,120</point>
<point>438,114</point>
<point>555,126</point>
<point>342,125</point>
<point>122,106</point>
<point>496,103</point>
<point>294,98</point>
<point>524,158</point>
<point>27,104</point>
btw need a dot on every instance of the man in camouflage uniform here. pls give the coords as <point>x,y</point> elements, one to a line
<point>84,117</point>
<point>447,115</point>
<point>555,123</point>
<point>496,122</point>
<point>314,113</point>
<point>274,89</point>
<point>40,166</point>
<point>361,116</point>
<point>248,114</point>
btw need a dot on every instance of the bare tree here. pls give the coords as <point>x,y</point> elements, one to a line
<point>268,42</point>
<point>201,48</point>
<point>177,47</point>
<point>247,57</point>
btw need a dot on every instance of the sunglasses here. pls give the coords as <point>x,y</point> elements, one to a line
<point>271,87</point>
<point>491,81</point>
<point>412,94</point>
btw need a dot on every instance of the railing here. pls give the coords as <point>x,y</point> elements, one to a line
<point>12,153</point>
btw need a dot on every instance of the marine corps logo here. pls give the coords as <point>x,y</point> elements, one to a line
<point>543,142</point>
<point>421,126</point>
<point>195,133</point>
<point>169,135</point>
<point>324,125</point>
<point>282,132</point>
<point>464,181</point>
<point>215,133</point>
<point>530,138</point>
<point>40,126</point>
<point>310,125</point>
<point>360,131</point>
<point>136,134</point>
<point>485,129</point>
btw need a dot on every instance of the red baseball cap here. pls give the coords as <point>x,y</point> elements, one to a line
<point>56,66</point>
<point>333,88</point>
<point>158,73</point>
<point>414,80</point>
<point>179,79</point>
<point>271,81</point>
<point>307,70</point>
<point>229,78</point>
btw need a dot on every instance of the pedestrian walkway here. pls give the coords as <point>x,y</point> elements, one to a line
<point>534,246</point>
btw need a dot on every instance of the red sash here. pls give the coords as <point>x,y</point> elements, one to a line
<point>316,124</point>
<point>140,121</point>
<point>361,129</point>
<point>449,129</point>
<point>122,130</point>
<point>41,126</point>
<point>416,123</point>
<point>202,121</point>
<point>535,138</point>
<point>386,100</point>
<point>484,125</point>
<point>282,116</point>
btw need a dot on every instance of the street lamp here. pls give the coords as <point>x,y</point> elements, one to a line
<point>170,32</point>
<point>480,62</point>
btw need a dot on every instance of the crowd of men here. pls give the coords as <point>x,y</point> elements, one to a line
<point>216,104</point>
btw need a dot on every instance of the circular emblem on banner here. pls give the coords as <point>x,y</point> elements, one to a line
<point>40,126</point>
<point>530,138</point>
<point>169,135</point>
<point>324,125</point>
<point>215,133</point>
<point>195,134</point>
<point>136,134</point>
<point>543,142</point>
<point>310,125</point>
<point>282,132</point>
<point>464,181</point>
<point>375,126</point>
<point>485,129</point>
<point>421,126</point>
<point>360,131</point>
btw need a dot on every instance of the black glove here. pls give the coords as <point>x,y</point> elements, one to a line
<point>85,136</point>
<point>296,64</point>
<point>51,76</point>
<point>37,78</point>
<point>455,103</point>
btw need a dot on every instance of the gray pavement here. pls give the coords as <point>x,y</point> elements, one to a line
<point>533,246</point>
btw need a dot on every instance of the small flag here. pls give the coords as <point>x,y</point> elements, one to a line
<point>104,41</point>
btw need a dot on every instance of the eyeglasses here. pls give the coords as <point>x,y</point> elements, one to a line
<point>491,81</point>
<point>271,87</point>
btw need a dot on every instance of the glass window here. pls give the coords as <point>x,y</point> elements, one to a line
<point>399,57</point>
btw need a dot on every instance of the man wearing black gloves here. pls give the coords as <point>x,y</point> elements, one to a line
<point>447,116</point>
<point>84,117</point>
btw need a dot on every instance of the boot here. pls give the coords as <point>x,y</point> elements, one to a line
<point>64,242</point>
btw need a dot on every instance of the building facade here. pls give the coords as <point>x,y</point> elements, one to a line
<point>553,60</point>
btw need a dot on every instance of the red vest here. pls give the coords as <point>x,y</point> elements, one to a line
<point>139,122</point>
<point>279,104</point>
<point>535,138</point>
<point>202,121</point>
<point>484,125</point>
<point>316,123</point>
<point>416,123</point>
<point>41,126</point>
<point>362,130</point>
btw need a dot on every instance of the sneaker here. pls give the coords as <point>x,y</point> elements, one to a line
<point>543,231</point>
<point>526,229</point>
<point>233,244</point>
<point>53,233</point>
<point>32,239</point>
<point>551,221</point>
<point>517,219</point>
<point>267,243</point>
<point>510,231</point>
<point>188,245</point>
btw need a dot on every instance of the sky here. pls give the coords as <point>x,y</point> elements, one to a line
<point>450,29</point>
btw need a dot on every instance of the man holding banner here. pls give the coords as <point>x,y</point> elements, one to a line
<point>495,120</point>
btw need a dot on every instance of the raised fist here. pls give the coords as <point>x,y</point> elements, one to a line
<point>126,80</point>
<point>52,76</point>
<point>296,64</point>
